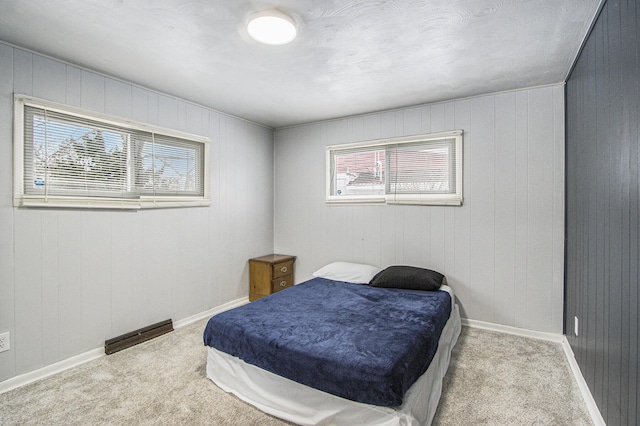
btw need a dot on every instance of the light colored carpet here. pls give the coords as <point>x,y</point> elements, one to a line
<point>494,379</point>
<point>501,379</point>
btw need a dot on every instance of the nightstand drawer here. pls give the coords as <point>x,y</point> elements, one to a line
<point>281,283</point>
<point>282,269</point>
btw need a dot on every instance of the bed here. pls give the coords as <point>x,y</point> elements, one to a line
<point>350,346</point>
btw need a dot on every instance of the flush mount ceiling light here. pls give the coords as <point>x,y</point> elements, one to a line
<point>272,27</point>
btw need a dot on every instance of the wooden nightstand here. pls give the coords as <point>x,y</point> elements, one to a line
<point>269,274</point>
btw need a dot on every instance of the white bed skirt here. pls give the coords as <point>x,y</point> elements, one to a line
<point>304,405</point>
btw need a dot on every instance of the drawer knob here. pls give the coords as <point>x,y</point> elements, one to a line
<point>283,283</point>
<point>283,269</point>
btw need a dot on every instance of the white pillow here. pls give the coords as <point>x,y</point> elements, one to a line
<point>356,273</point>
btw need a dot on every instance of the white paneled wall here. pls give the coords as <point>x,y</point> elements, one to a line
<point>69,279</point>
<point>502,251</point>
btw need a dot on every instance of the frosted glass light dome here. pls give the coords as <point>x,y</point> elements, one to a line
<point>272,27</point>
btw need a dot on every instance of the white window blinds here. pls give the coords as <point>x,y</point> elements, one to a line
<point>358,172</point>
<point>422,168</point>
<point>169,166</point>
<point>72,158</point>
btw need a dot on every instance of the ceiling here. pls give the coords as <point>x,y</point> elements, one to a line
<point>350,57</point>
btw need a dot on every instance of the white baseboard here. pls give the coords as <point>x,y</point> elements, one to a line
<point>596,417</point>
<point>90,355</point>
<point>551,337</point>
<point>211,312</point>
<point>49,370</point>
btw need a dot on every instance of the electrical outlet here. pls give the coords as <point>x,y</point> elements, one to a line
<point>4,342</point>
<point>575,325</point>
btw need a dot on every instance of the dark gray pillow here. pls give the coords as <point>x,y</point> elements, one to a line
<point>408,277</point>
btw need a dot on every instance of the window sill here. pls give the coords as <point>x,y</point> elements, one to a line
<point>407,201</point>
<point>108,203</point>
<point>436,202</point>
<point>343,201</point>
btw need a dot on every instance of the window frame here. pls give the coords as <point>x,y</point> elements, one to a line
<point>138,201</point>
<point>452,199</point>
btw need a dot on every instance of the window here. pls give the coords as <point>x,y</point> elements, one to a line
<point>423,169</point>
<point>65,157</point>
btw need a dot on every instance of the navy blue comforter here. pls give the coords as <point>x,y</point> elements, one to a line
<point>358,342</point>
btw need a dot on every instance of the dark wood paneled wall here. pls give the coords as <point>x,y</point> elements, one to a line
<point>603,210</point>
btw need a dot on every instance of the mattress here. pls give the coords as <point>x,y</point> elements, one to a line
<point>358,342</point>
<point>304,404</point>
